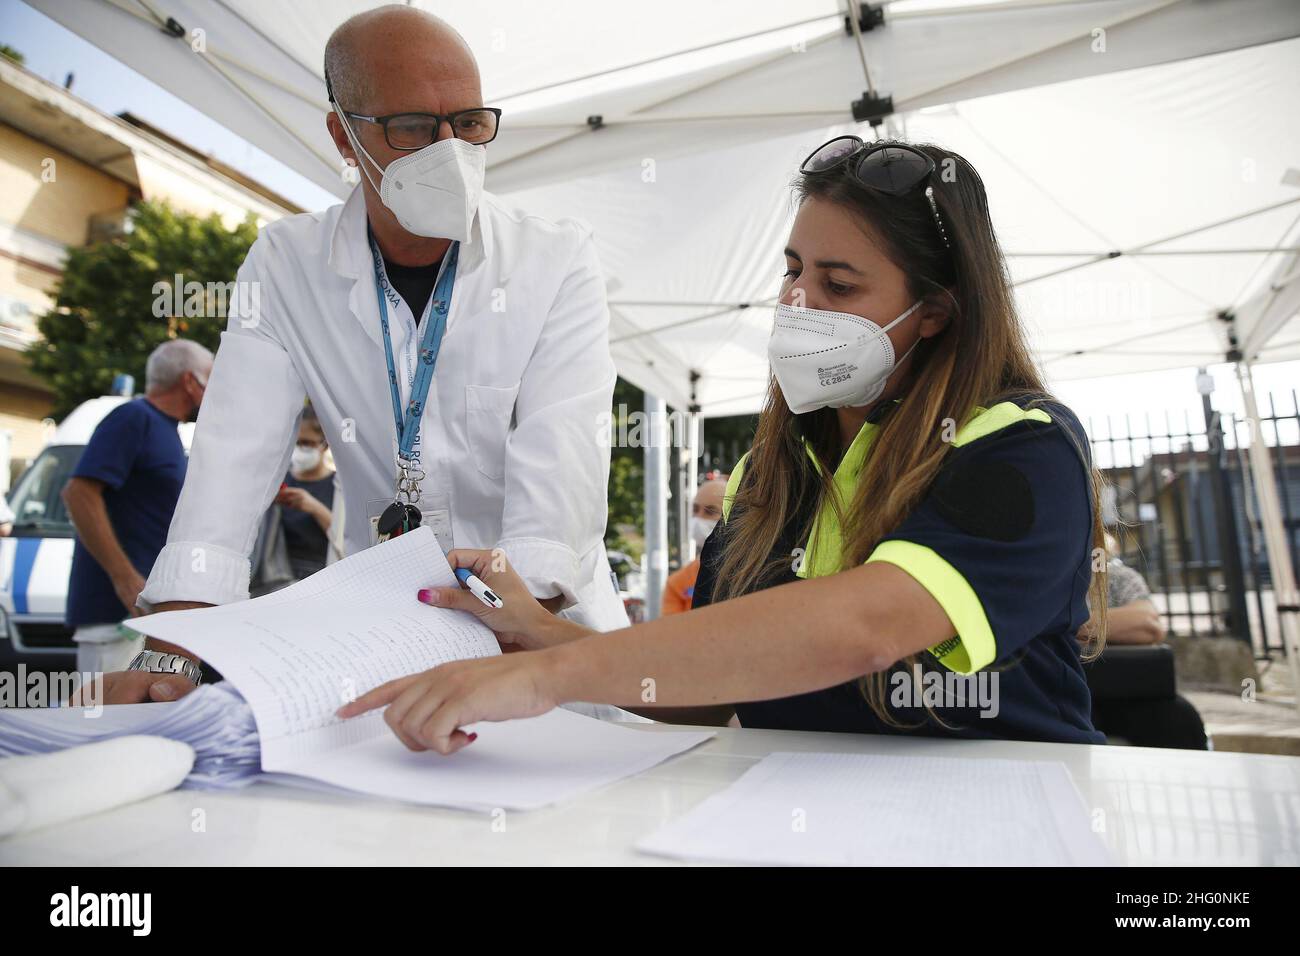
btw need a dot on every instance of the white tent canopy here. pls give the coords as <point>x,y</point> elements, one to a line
<point>1161,117</point>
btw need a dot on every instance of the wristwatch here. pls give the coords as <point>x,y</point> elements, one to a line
<point>157,662</point>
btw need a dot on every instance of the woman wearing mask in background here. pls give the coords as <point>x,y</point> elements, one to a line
<point>306,499</point>
<point>915,507</point>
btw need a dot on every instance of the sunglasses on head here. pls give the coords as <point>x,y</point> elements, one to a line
<point>889,168</point>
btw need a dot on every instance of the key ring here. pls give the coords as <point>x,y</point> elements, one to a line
<point>408,481</point>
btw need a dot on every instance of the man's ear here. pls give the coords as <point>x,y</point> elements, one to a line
<point>340,137</point>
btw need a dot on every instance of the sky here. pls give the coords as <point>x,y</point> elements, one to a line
<point>52,52</point>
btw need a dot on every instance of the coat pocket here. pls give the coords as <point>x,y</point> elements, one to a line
<point>488,413</point>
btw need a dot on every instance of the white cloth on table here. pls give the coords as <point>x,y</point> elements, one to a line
<point>42,790</point>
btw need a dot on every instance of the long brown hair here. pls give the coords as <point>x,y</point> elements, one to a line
<point>979,359</point>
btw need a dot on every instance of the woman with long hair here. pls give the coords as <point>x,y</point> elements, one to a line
<point>909,544</point>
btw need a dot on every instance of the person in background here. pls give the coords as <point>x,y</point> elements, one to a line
<point>706,509</point>
<point>306,499</point>
<point>1131,619</point>
<point>121,497</point>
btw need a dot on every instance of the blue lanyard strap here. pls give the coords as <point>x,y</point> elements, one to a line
<point>435,325</point>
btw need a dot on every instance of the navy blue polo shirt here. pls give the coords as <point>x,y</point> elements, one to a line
<point>137,453</point>
<point>1003,541</point>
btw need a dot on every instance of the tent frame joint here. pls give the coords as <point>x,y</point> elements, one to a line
<point>870,16</point>
<point>873,108</point>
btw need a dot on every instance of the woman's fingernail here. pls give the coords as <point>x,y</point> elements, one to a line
<point>427,596</point>
<point>472,737</point>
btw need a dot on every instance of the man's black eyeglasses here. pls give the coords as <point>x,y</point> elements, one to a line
<point>890,168</point>
<point>411,131</point>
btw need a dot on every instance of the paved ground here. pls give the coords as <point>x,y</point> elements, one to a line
<point>1270,723</point>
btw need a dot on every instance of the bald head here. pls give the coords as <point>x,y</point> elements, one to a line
<point>396,59</point>
<point>708,499</point>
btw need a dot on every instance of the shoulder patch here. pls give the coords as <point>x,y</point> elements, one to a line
<point>987,499</point>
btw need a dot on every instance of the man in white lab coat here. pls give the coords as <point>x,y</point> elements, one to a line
<point>509,442</point>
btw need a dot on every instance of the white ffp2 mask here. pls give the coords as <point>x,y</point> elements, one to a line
<point>830,359</point>
<point>434,191</point>
<point>303,460</point>
<point>701,528</point>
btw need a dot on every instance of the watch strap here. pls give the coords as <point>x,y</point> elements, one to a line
<point>162,662</point>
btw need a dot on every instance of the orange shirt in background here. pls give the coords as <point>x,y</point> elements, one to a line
<point>679,589</point>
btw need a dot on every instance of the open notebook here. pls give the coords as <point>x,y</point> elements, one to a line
<point>298,654</point>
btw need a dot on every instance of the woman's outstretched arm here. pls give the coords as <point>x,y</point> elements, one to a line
<point>785,640</point>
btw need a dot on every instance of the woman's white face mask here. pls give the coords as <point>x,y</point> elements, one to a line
<point>434,191</point>
<point>831,359</point>
<point>304,460</point>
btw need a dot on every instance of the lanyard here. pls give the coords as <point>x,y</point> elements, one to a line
<point>435,325</point>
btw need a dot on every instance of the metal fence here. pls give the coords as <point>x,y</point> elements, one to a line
<point>1179,500</point>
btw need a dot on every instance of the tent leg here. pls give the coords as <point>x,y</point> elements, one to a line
<point>688,453</point>
<point>656,504</point>
<point>1270,516</point>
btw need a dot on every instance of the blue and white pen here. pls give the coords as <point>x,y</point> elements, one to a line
<point>478,588</point>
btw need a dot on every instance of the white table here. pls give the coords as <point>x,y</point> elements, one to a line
<point>1157,807</point>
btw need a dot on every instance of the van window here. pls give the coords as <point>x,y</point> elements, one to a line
<point>36,498</point>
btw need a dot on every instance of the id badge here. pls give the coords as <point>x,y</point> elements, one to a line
<point>435,513</point>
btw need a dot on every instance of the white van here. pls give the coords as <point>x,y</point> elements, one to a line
<point>36,558</point>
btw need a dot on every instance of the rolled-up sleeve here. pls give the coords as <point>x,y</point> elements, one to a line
<point>557,457</point>
<point>240,451</point>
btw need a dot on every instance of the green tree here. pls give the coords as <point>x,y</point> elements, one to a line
<point>625,528</point>
<point>114,303</point>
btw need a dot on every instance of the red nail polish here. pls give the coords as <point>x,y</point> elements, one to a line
<point>424,596</point>
<point>473,737</point>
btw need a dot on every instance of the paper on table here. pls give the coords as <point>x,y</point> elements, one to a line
<point>298,654</point>
<point>879,810</point>
<point>515,765</point>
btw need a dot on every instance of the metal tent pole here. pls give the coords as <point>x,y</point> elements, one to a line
<point>1285,598</point>
<point>656,504</point>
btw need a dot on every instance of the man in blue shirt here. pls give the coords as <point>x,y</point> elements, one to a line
<point>121,497</point>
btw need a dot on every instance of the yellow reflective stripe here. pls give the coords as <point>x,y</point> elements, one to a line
<point>986,421</point>
<point>973,648</point>
<point>825,547</point>
<point>733,483</point>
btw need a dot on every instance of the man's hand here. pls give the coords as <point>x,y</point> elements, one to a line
<point>132,687</point>
<point>141,687</point>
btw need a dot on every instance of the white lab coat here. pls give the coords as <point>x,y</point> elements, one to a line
<point>513,430</point>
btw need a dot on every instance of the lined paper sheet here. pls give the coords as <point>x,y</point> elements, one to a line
<point>299,654</point>
<point>877,810</point>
